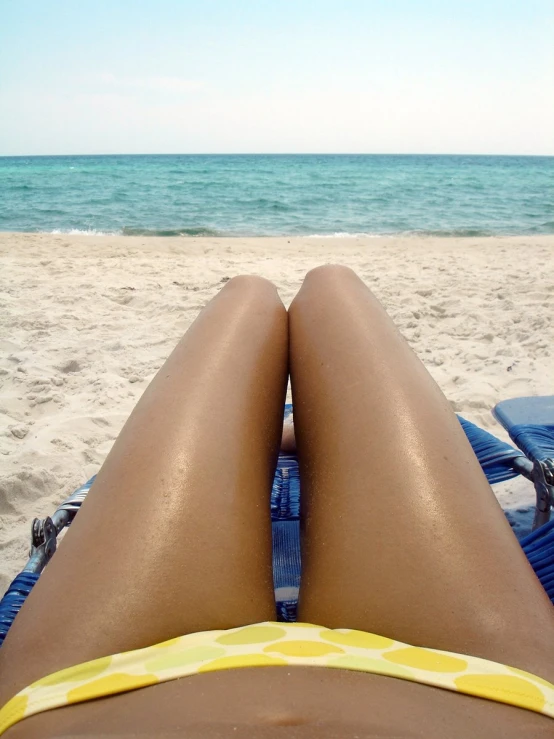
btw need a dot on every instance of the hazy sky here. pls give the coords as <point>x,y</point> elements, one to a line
<point>173,76</point>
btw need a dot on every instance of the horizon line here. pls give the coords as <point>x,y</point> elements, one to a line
<point>275,154</point>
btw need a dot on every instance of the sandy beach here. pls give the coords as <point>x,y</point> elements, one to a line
<point>86,321</point>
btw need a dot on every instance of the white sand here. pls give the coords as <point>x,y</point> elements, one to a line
<point>86,321</point>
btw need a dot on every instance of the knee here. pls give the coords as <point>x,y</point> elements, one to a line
<point>330,274</point>
<point>250,283</point>
<point>326,281</point>
<point>252,287</point>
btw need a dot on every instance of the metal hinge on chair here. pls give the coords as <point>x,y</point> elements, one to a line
<point>543,479</point>
<point>44,531</point>
<point>43,544</point>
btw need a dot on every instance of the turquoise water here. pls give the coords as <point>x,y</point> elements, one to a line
<point>241,195</point>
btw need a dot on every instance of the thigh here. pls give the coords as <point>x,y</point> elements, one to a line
<point>175,535</point>
<point>402,534</point>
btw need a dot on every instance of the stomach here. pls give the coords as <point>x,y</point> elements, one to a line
<point>284,701</point>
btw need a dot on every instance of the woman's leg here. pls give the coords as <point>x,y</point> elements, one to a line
<point>402,533</point>
<point>175,535</point>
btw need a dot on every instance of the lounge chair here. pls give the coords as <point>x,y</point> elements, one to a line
<point>530,422</point>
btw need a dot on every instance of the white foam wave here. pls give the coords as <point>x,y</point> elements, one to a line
<point>83,232</point>
<point>347,235</point>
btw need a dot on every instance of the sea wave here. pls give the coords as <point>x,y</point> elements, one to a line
<point>131,231</point>
<point>443,232</point>
<point>82,232</point>
<point>346,235</point>
<point>450,232</point>
<point>201,231</point>
<point>186,231</point>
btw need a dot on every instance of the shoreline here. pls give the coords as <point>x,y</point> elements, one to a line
<point>8,238</point>
<point>401,236</point>
<point>86,321</point>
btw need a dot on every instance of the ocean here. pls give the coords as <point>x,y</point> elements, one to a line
<point>264,195</point>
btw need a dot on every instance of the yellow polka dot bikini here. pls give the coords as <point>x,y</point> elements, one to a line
<point>271,643</point>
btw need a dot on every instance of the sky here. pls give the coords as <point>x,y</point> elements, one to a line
<point>286,76</point>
